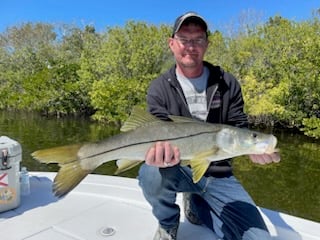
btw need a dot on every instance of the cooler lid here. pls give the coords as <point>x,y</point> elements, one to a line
<point>9,150</point>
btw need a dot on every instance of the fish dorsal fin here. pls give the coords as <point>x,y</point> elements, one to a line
<point>180,119</point>
<point>138,118</point>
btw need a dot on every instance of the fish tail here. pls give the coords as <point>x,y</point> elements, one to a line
<point>60,155</point>
<point>70,173</point>
<point>68,177</point>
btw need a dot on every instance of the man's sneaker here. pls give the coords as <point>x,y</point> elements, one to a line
<point>163,234</point>
<point>192,218</point>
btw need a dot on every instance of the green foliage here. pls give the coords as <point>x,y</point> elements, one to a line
<point>38,91</point>
<point>65,69</point>
<point>311,127</point>
<point>114,99</point>
<point>128,60</point>
<point>259,97</point>
<point>40,73</point>
<point>277,64</point>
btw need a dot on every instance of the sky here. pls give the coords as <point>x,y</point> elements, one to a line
<point>105,13</point>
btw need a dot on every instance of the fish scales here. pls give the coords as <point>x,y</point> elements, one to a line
<point>199,143</point>
<point>189,137</point>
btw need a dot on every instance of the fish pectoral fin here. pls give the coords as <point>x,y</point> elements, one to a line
<point>199,166</point>
<point>125,165</point>
<point>200,163</point>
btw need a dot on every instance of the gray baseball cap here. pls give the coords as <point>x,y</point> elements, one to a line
<point>189,17</point>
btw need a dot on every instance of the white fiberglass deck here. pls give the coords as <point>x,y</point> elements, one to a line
<point>108,208</point>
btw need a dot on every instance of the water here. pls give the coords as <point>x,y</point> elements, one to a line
<point>291,186</point>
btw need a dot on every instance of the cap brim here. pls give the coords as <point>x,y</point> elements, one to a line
<point>189,17</point>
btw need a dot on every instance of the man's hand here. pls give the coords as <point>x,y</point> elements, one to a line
<point>265,158</point>
<point>162,155</point>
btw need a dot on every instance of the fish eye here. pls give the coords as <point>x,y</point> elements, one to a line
<point>254,135</point>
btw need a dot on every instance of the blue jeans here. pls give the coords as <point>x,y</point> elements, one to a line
<point>221,204</point>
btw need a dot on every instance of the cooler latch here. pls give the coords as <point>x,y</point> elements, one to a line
<point>4,159</point>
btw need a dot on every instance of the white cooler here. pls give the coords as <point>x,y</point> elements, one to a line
<point>10,158</point>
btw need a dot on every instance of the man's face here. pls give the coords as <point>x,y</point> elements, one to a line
<point>189,45</point>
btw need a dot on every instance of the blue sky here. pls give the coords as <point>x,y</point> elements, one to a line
<point>105,13</point>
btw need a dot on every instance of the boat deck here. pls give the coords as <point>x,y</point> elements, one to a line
<point>106,207</point>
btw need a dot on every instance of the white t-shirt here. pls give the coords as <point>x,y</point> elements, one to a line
<point>194,90</point>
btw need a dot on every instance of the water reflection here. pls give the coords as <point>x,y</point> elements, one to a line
<point>34,132</point>
<point>291,186</point>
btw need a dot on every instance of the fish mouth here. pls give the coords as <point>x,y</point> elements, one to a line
<point>271,146</point>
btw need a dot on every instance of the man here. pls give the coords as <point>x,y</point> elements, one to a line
<point>197,89</point>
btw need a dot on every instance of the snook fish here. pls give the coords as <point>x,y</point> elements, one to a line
<point>199,142</point>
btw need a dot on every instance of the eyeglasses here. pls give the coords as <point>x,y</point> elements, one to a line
<point>196,42</point>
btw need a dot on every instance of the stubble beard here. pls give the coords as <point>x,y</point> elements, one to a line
<point>189,63</point>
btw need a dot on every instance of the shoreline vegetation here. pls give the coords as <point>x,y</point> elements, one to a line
<point>66,70</point>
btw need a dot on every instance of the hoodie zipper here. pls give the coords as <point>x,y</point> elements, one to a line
<point>215,88</point>
<point>180,93</point>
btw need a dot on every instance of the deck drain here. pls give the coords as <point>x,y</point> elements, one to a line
<point>107,231</point>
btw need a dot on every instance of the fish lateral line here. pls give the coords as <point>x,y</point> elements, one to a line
<point>144,142</point>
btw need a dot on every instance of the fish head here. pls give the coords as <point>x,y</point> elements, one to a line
<point>244,141</point>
